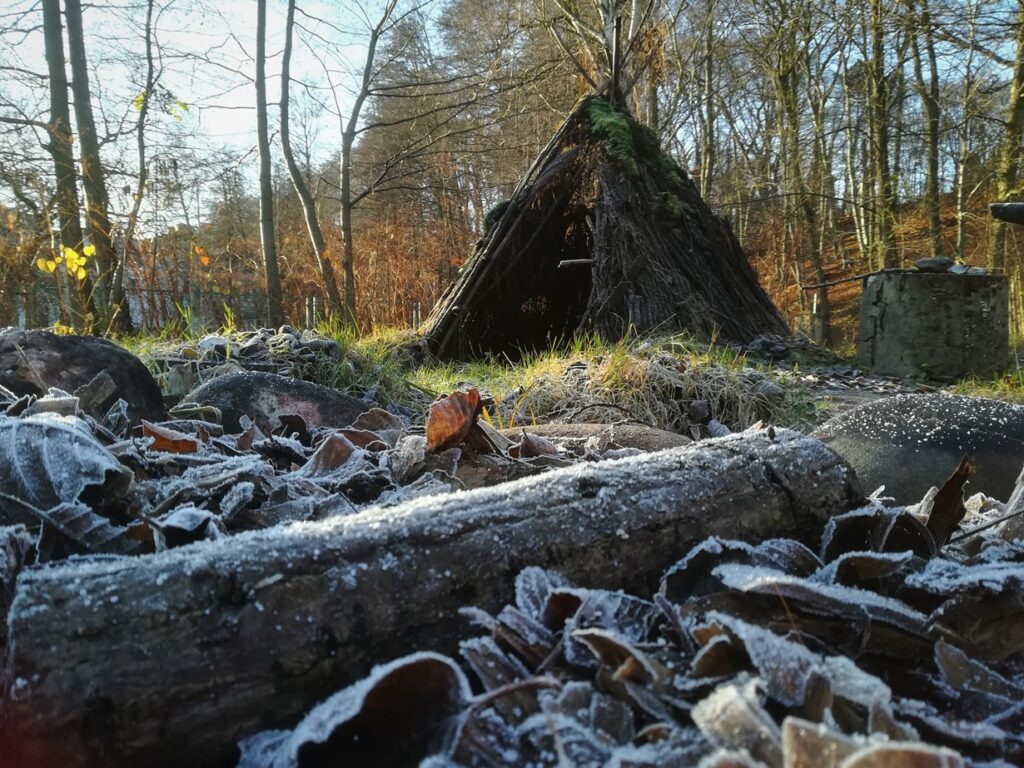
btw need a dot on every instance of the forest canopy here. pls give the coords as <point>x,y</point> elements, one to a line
<point>138,137</point>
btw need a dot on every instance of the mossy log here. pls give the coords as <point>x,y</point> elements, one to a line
<point>167,660</point>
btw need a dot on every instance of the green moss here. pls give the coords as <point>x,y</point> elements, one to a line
<point>617,131</point>
<point>492,216</point>
<point>636,147</point>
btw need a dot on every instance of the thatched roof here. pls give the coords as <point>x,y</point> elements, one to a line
<point>605,233</point>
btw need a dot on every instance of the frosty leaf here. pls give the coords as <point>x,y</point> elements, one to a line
<point>903,755</point>
<point>606,717</point>
<point>407,459</point>
<point>691,576</point>
<point>810,745</point>
<point>396,716</point>
<point>824,599</point>
<point>629,663</point>
<point>46,461</point>
<point>378,420</point>
<point>169,440</point>
<point>784,666</point>
<point>185,525</point>
<point>851,568</point>
<point>733,718</point>
<point>531,640</point>
<point>451,418</point>
<point>961,671</point>
<point>87,530</point>
<point>533,586</point>
<point>790,556</point>
<point>362,438</point>
<point>496,669</point>
<point>554,737</point>
<point>329,456</point>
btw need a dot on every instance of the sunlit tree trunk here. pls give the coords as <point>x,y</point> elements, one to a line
<point>59,147</point>
<point>316,236</point>
<point>1010,151</point>
<point>275,310</point>
<point>97,215</point>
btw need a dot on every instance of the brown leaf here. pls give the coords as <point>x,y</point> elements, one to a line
<point>332,453</point>
<point>451,418</point>
<point>810,745</point>
<point>397,716</point>
<point>948,509</point>
<point>533,445</point>
<point>169,440</point>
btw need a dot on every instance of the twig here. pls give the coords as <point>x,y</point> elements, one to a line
<point>852,278</point>
<point>986,526</point>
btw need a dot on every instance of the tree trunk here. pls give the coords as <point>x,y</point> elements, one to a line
<point>878,116</point>
<point>59,147</point>
<point>97,216</point>
<point>122,319</point>
<point>275,309</point>
<point>928,91</point>
<point>111,662</point>
<point>1010,151</point>
<point>316,236</point>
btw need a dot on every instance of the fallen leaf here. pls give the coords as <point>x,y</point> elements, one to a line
<point>169,440</point>
<point>948,509</point>
<point>451,418</point>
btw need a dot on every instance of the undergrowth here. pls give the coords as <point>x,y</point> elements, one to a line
<point>649,382</point>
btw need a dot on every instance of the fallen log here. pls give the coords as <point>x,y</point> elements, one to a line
<point>168,659</point>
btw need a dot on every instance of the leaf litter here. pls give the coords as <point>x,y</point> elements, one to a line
<point>898,642</point>
<point>748,655</point>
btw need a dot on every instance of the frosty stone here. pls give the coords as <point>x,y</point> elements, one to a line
<point>909,443</point>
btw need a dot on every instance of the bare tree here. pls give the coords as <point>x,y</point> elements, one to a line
<point>275,309</point>
<point>61,140</point>
<point>309,211</point>
<point>1010,150</point>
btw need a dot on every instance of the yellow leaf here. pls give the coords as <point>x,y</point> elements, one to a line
<point>89,250</point>
<point>46,265</point>
<point>70,253</point>
<point>79,273</point>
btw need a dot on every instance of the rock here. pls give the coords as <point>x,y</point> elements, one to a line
<point>263,397</point>
<point>934,264</point>
<point>33,361</point>
<point>909,443</point>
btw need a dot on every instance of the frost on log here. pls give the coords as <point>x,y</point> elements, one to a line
<point>110,662</point>
<point>604,234</point>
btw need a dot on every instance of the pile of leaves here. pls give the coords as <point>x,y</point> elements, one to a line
<point>888,646</point>
<point>96,484</point>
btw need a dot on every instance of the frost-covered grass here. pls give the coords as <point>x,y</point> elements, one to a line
<point>650,381</point>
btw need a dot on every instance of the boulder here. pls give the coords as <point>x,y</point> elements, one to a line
<point>909,443</point>
<point>33,361</point>
<point>264,397</point>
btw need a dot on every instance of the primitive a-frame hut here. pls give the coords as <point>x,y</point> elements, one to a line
<point>607,234</point>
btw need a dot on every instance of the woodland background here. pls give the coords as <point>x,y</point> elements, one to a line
<point>154,139</point>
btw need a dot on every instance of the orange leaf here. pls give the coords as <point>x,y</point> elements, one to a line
<point>170,440</point>
<point>451,418</point>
